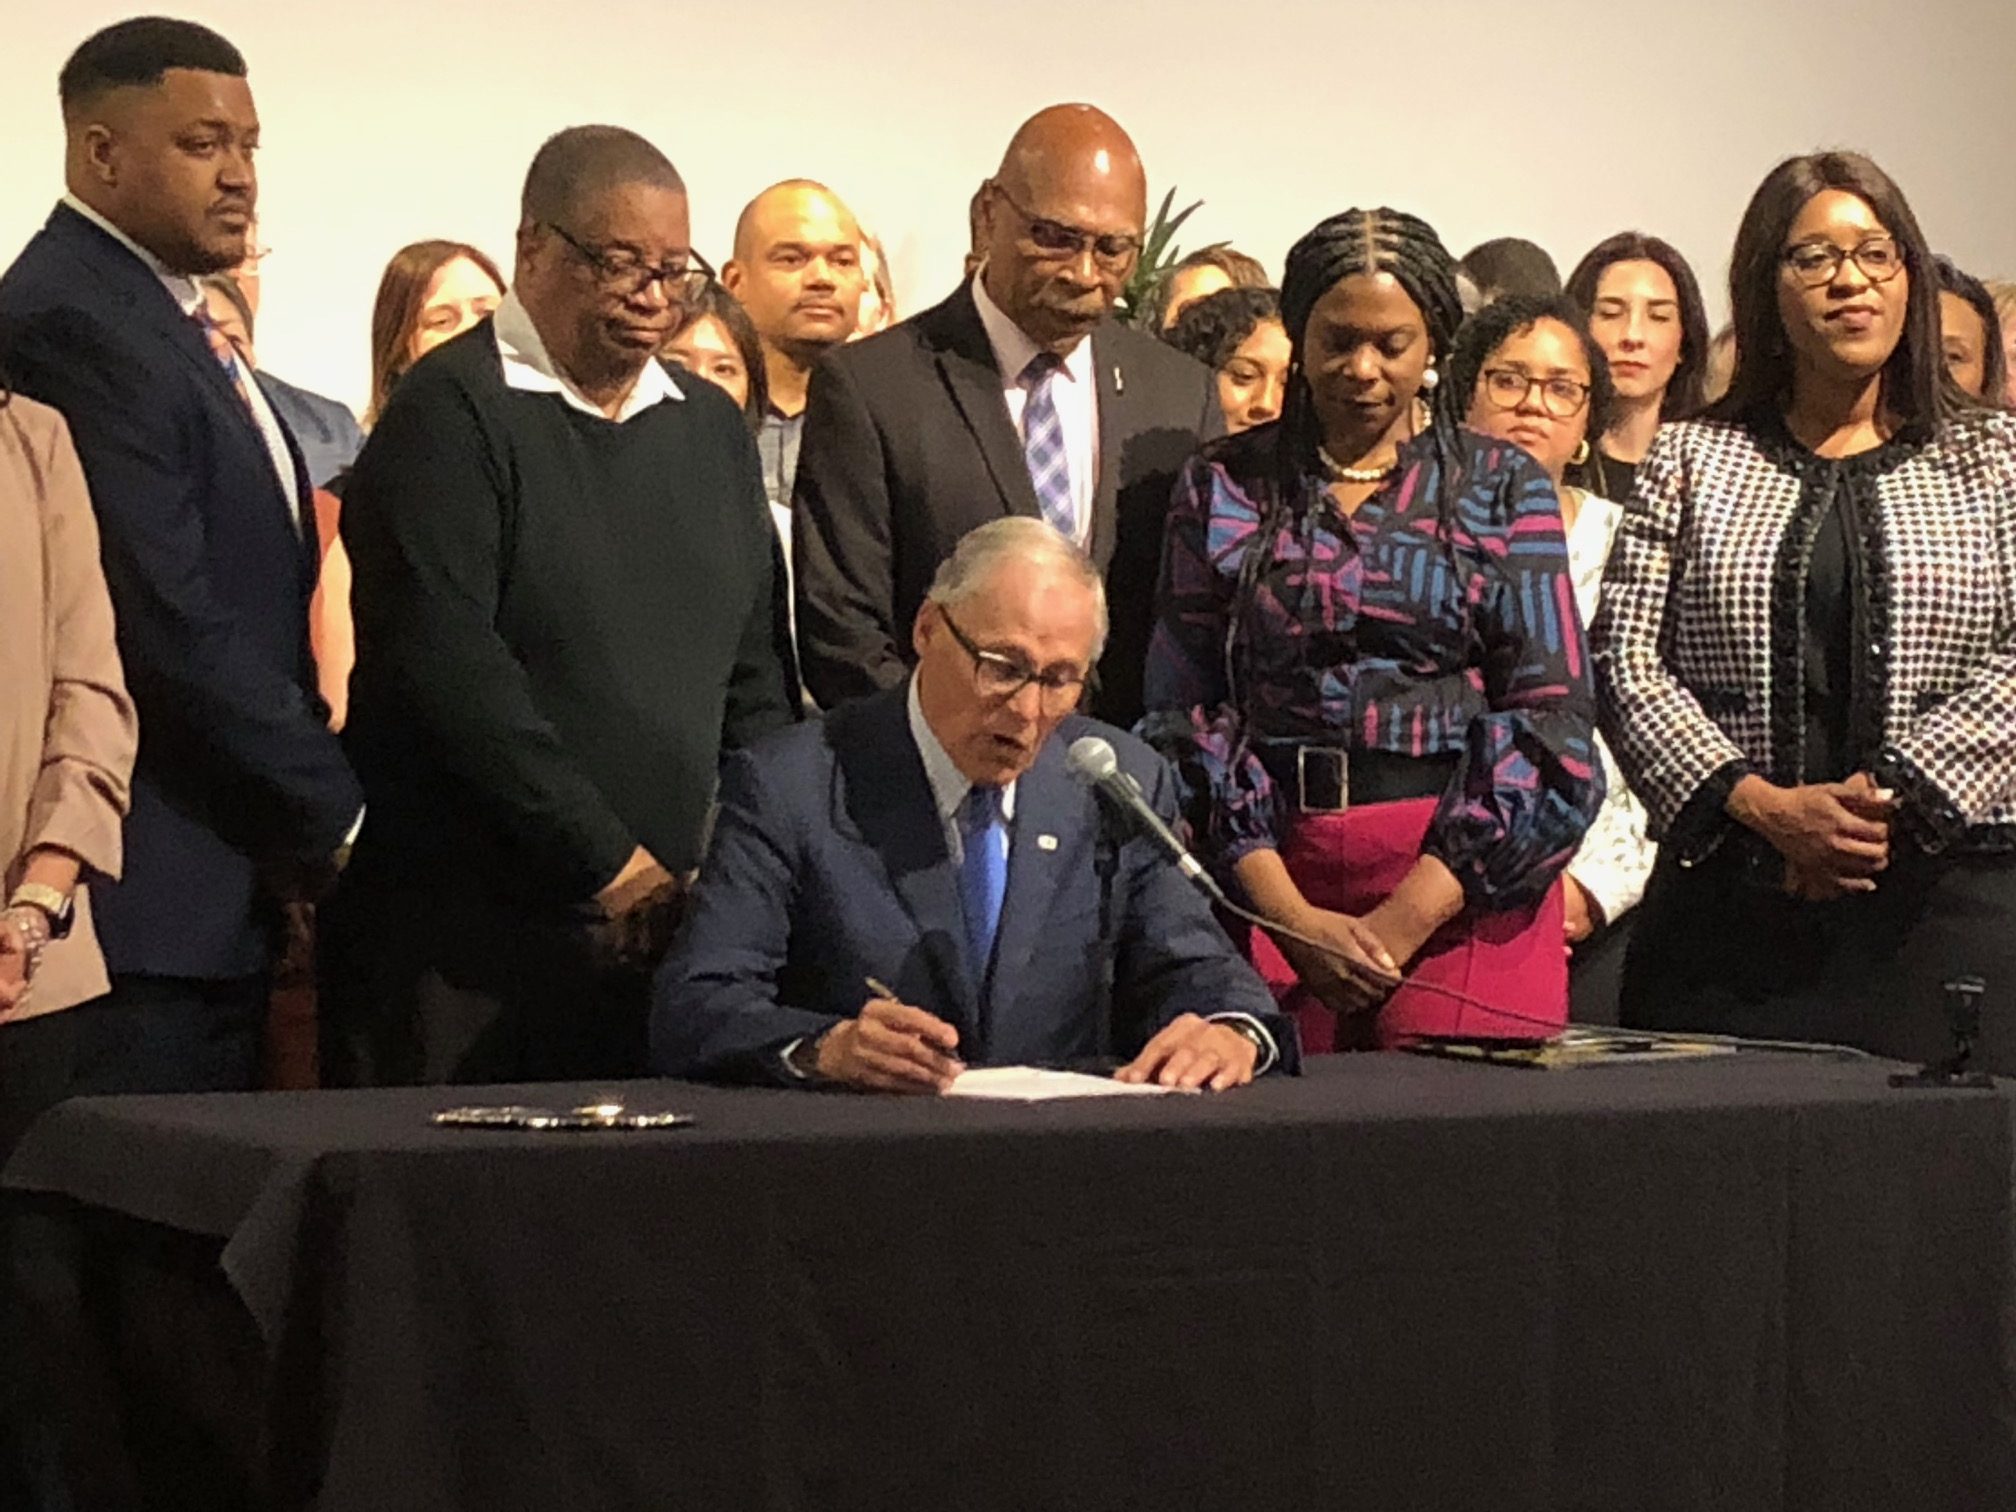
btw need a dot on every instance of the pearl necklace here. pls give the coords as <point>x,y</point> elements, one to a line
<point>1339,473</point>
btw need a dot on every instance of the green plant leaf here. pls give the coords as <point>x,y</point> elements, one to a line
<point>1159,254</point>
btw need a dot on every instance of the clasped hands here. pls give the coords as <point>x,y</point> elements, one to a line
<point>1834,836</point>
<point>894,1047</point>
<point>637,913</point>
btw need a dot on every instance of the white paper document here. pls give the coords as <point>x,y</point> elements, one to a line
<point>1033,1084</point>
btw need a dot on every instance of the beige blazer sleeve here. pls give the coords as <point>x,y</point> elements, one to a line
<point>79,793</point>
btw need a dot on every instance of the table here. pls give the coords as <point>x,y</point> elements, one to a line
<point>1760,1282</point>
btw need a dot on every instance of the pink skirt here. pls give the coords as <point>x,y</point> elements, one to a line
<point>1516,961</point>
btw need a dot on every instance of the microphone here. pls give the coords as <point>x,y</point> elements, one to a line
<point>1093,763</point>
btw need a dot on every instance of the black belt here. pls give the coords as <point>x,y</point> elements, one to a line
<point>1327,779</point>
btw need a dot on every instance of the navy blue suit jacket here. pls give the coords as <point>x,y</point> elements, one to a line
<point>829,865</point>
<point>327,433</point>
<point>210,580</point>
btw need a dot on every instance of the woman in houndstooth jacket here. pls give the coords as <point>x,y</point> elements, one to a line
<point>1807,652</point>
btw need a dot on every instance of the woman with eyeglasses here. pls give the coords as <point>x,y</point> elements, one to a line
<point>1807,649</point>
<point>1369,673</point>
<point>1531,372</point>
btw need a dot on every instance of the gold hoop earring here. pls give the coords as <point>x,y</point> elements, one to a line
<point>1581,456</point>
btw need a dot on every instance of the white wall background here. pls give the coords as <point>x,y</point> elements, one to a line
<point>1563,120</point>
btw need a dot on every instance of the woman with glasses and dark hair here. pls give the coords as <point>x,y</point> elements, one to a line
<point>1368,669</point>
<point>1807,655</point>
<point>1528,371</point>
<point>1644,309</point>
<point>1971,334</point>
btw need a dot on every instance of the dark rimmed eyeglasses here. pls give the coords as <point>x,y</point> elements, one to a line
<point>1818,263</point>
<point>621,271</point>
<point>1000,678</point>
<point>1561,397</point>
<point>1054,239</point>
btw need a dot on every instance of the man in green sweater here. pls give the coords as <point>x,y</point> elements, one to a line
<point>567,605</point>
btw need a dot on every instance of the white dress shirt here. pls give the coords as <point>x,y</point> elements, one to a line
<point>1616,856</point>
<point>1075,392</point>
<point>188,296</point>
<point>530,368</point>
<point>949,785</point>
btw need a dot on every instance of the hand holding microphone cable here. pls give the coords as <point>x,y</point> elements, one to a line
<point>1092,760</point>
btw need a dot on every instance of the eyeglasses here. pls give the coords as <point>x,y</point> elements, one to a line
<point>1000,677</point>
<point>1818,263</point>
<point>622,271</point>
<point>1054,239</point>
<point>1562,398</point>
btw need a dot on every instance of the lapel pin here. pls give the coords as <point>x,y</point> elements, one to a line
<point>1119,380</point>
<point>1046,842</point>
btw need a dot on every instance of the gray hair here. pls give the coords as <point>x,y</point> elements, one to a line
<point>980,553</point>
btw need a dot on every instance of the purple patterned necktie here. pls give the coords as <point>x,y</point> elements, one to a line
<point>227,358</point>
<point>1043,444</point>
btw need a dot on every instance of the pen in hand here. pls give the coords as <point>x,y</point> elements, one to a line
<point>930,1043</point>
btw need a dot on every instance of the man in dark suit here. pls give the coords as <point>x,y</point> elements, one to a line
<point>1018,395</point>
<point>566,608</point>
<point>931,838</point>
<point>240,793</point>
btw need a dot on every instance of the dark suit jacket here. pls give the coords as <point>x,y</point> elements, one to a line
<point>829,865</point>
<point>327,433</point>
<point>210,579</point>
<point>908,446</point>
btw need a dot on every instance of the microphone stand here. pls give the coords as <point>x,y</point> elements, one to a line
<point>1963,1018</point>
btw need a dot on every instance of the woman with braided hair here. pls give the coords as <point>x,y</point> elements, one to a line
<point>1369,672</point>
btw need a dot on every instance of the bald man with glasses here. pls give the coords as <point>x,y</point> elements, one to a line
<point>1019,395</point>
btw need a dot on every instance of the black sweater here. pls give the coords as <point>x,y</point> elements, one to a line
<point>560,622</point>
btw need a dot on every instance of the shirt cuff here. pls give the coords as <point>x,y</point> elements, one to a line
<point>1613,895</point>
<point>1270,1052</point>
<point>788,1057</point>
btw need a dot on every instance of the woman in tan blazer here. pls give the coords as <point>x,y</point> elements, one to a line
<point>67,737</point>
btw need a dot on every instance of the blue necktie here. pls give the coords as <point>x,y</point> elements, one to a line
<point>983,875</point>
<point>1043,443</point>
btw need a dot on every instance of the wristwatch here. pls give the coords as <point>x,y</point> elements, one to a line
<point>59,908</point>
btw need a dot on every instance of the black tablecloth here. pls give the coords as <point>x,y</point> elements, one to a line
<point>1762,1282</point>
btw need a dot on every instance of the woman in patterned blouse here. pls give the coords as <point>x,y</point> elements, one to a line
<point>1369,671</point>
<point>1808,651</point>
